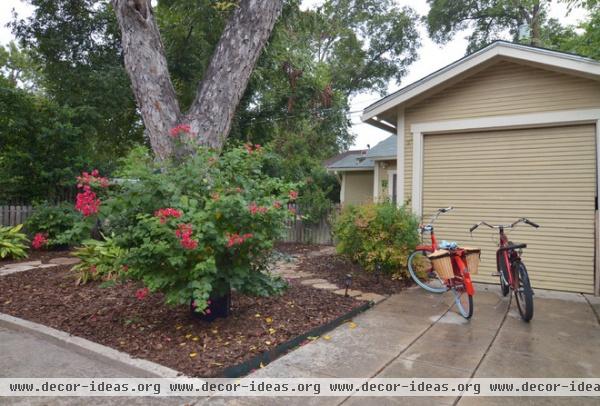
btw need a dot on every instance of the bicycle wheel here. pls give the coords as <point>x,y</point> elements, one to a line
<point>421,270</point>
<point>463,301</point>
<point>501,266</point>
<point>524,293</point>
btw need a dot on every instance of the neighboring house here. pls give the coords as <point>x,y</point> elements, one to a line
<point>509,131</point>
<point>367,175</point>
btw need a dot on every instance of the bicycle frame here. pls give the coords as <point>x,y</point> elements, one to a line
<point>459,265</point>
<point>508,259</point>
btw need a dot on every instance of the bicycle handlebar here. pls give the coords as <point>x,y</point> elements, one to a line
<point>512,225</point>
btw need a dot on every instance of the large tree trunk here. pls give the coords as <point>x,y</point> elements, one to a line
<point>224,81</point>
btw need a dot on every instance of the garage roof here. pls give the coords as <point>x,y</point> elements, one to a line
<point>382,113</point>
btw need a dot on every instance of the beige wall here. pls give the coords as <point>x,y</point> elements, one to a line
<point>358,187</point>
<point>385,167</point>
<point>502,89</point>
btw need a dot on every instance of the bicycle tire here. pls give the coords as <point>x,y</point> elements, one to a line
<point>432,285</point>
<point>501,267</point>
<point>464,302</point>
<point>524,293</point>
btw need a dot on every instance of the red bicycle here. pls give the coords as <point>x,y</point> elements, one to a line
<point>455,277</point>
<point>511,269</point>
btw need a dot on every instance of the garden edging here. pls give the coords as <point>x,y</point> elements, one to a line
<point>147,369</point>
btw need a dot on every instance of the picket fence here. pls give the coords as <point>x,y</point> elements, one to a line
<point>297,231</point>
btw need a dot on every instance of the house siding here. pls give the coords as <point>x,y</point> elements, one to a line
<point>358,187</point>
<point>505,88</point>
<point>385,167</point>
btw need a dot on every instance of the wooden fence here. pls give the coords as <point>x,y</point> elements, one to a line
<point>11,215</point>
<point>296,230</point>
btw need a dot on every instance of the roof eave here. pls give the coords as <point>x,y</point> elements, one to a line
<point>572,63</point>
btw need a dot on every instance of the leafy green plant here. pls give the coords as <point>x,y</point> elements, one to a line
<point>377,234</point>
<point>196,228</point>
<point>13,242</point>
<point>100,260</point>
<point>52,220</point>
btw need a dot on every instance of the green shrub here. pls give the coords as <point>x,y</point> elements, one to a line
<point>196,228</point>
<point>13,242</point>
<point>374,234</point>
<point>53,220</point>
<point>100,260</point>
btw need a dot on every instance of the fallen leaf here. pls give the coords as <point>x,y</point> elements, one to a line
<point>312,338</point>
<point>188,335</point>
<point>327,338</point>
<point>195,338</point>
<point>268,342</point>
<point>269,320</point>
<point>178,327</point>
<point>193,354</point>
<point>257,315</point>
<point>352,324</point>
<point>262,365</point>
<point>215,331</point>
<point>8,302</point>
<point>182,344</point>
<point>271,331</point>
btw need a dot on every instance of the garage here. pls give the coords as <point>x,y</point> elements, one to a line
<point>509,131</point>
<point>545,174</point>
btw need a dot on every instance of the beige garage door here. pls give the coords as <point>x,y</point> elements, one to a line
<point>547,175</point>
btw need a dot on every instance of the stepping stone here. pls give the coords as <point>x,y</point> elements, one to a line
<point>326,286</point>
<point>30,263</point>
<point>64,261</point>
<point>8,271</point>
<point>296,275</point>
<point>47,266</point>
<point>313,281</point>
<point>351,293</point>
<point>372,297</point>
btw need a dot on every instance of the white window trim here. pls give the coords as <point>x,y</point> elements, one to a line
<point>544,119</point>
<point>391,184</point>
<point>376,182</point>
<point>400,159</point>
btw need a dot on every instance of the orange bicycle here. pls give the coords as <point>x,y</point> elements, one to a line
<point>450,271</point>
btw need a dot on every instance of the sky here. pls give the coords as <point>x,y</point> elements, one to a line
<point>431,57</point>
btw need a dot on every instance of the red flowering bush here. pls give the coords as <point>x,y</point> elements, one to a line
<point>39,241</point>
<point>87,202</point>
<point>193,229</point>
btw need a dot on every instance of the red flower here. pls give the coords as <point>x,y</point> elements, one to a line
<point>236,239</point>
<point>252,148</point>
<point>163,214</point>
<point>293,195</point>
<point>39,240</point>
<point>256,209</point>
<point>87,202</point>
<point>142,293</point>
<point>94,179</point>
<point>181,128</point>
<point>184,233</point>
<point>277,205</point>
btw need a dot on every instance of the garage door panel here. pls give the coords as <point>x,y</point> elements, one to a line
<point>546,174</point>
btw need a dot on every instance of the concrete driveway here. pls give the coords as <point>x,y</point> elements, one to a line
<point>416,334</point>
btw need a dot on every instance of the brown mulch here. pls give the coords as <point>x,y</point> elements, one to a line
<point>334,269</point>
<point>297,249</point>
<point>169,336</point>
<point>35,255</point>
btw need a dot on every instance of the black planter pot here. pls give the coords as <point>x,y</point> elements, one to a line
<point>219,306</point>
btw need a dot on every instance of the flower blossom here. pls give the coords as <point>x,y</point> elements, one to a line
<point>39,240</point>
<point>293,195</point>
<point>252,148</point>
<point>163,214</point>
<point>142,293</point>
<point>93,178</point>
<point>256,209</point>
<point>184,233</point>
<point>181,128</point>
<point>87,202</point>
<point>237,239</point>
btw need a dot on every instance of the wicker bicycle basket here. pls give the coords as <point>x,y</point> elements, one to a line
<point>442,263</point>
<point>473,256</point>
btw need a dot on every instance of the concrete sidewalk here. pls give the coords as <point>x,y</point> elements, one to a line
<point>416,334</point>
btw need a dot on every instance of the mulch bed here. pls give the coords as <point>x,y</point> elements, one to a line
<point>167,335</point>
<point>334,269</point>
<point>296,249</point>
<point>36,255</point>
